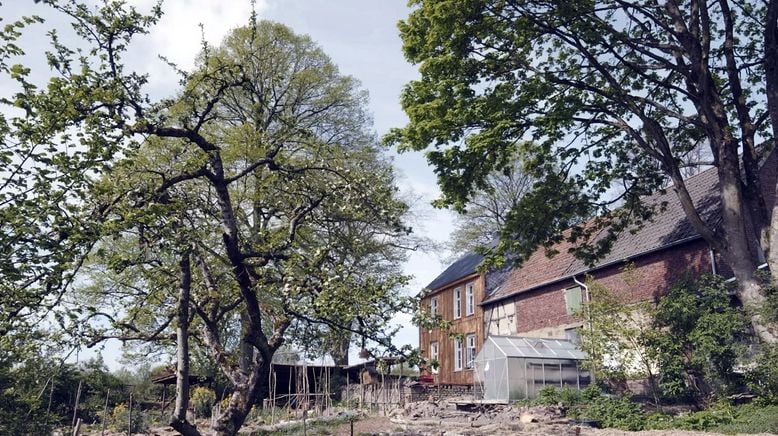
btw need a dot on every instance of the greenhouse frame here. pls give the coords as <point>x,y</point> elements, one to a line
<point>511,368</point>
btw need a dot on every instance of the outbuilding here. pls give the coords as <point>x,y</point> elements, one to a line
<point>512,368</point>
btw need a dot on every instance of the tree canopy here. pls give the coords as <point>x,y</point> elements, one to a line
<point>606,99</point>
<point>250,209</point>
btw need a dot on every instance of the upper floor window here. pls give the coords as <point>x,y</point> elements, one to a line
<point>457,303</point>
<point>573,299</point>
<point>434,307</point>
<point>458,354</point>
<point>470,357</point>
<point>470,299</point>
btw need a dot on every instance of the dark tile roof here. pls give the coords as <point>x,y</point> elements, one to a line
<point>668,227</point>
<point>462,267</point>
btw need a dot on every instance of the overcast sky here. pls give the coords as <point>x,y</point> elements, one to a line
<point>359,35</point>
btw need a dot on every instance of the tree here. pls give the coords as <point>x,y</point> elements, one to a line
<point>250,203</point>
<point>608,92</point>
<point>480,221</point>
<point>43,181</point>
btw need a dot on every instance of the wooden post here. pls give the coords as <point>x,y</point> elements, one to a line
<point>77,427</point>
<point>129,427</point>
<point>51,395</point>
<point>105,412</point>
<point>162,411</point>
<point>75,407</point>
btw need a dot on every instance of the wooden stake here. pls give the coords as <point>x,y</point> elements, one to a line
<point>129,427</point>
<point>77,427</point>
<point>75,407</point>
<point>105,412</point>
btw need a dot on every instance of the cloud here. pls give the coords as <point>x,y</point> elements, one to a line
<point>178,35</point>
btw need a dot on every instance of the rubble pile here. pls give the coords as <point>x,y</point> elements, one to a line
<point>475,414</point>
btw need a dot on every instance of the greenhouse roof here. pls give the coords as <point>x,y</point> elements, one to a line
<point>514,346</point>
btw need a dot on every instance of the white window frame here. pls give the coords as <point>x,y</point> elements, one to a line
<point>470,351</point>
<point>458,357</point>
<point>457,303</point>
<point>434,356</point>
<point>470,299</point>
<point>434,307</point>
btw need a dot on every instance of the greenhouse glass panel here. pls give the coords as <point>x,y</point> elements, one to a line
<point>511,368</point>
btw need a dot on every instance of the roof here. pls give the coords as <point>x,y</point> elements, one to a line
<point>667,227</point>
<point>538,348</point>
<point>462,267</point>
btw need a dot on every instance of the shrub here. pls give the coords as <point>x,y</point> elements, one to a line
<point>202,400</point>
<point>719,414</point>
<point>120,420</point>
<point>752,418</point>
<point>616,412</point>
<point>763,379</point>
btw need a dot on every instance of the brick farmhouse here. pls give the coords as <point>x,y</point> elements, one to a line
<point>538,298</point>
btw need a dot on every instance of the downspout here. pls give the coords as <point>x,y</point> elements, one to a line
<point>588,315</point>
<point>712,261</point>
<point>587,297</point>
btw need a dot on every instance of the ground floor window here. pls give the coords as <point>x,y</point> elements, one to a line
<point>470,340</point>
<point>458,354</point>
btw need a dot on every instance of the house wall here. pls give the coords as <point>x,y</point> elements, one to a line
<point>467,324</point>
<point>542,312</point>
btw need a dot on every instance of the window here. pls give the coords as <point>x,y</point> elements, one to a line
<point>434,357</point>
<point>470,299</point>
<point>573,299</point>
<point>457,303</point>
<point>470,341</point>
<point>457,354</point>
<point>573,335</point>
<point>434,307</point>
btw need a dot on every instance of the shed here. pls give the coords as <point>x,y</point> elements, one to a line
<point>513,368</point>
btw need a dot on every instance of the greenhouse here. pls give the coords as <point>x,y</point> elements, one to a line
<point>512,368</point>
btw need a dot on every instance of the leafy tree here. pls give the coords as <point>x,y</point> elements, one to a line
<point>698,338</point>
<point>480,221</point>
<point>614,336</point>
<point>44,236</point>
<point>246,205</point>
<point>607,93</point>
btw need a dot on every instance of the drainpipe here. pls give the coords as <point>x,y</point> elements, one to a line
<point>712,261</point>
<point>588,300</point>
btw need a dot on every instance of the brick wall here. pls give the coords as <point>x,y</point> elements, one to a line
<point>541,312</point>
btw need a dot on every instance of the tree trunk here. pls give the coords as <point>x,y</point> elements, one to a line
<point>771,86</point>
<point>738,254</point>
<point>178,418</point>
<point>243,399</point>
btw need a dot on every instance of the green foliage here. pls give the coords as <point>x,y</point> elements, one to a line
<point>750,418</point>
<point>614,335</point>
<point>698,338</point>
<point>762,380</point>
<point>689,343</point>
<point>120,419</point>
<point>18,404</point>
<point>594,98</point>
<point>202,400</point>
<point>615,412</point>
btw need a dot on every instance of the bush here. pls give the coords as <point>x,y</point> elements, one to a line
<point>752,418</point>
<point>202,401</point>
<point>616,412</point>
<point>763,379</point>
<point>120,420</point>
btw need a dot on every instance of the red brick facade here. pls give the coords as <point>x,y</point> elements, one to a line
<point>651,276</point>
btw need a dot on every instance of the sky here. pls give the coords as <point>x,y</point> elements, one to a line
<point>359,35</point>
